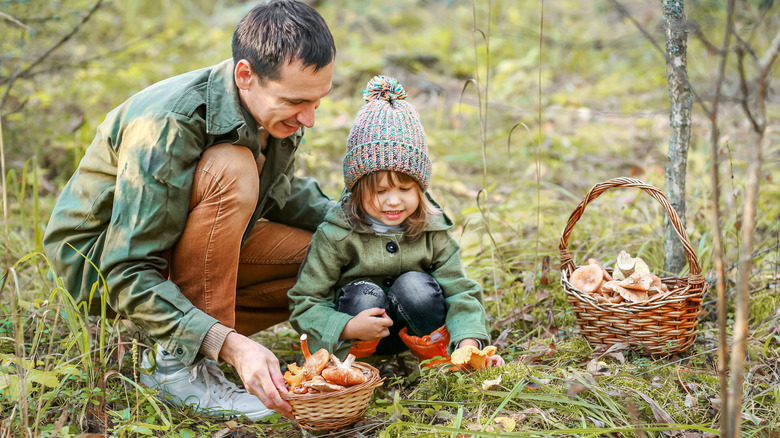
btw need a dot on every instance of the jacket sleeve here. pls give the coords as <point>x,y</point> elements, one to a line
<point>305,206</point>
<point>150,206</point>
<point>313,298</point>
<point>462,295</point>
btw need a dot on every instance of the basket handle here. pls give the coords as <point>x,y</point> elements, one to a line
<point>694,274</point>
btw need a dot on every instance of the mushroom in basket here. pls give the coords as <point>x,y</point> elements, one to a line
<point>631,281</point>
<point>316,375</point>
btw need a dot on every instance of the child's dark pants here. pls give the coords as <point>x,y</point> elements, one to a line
<point>414,300</point>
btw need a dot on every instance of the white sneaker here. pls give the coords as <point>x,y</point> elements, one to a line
<point>203,385</point>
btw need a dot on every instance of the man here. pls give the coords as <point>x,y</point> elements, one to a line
<point>187,202</point>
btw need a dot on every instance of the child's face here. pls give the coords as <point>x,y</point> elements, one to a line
<point>390,204</point>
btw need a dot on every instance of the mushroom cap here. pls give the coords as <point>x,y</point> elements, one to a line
<point>472,356</point>
<point>603,269</point>
<point>588,278</point>
<point>343,376</point>
<point>633,295</point>
<point>637,281</point>
<point>293,379</point>
<point>322,386</point>
<point>317,362</point>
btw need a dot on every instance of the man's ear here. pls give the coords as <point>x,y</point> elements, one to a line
<point>244,75</point>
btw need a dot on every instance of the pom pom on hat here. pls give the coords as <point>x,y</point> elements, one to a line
<point>386,135</point>
<point>384,88</point>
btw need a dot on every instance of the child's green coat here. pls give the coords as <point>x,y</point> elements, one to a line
<point>337,257</point>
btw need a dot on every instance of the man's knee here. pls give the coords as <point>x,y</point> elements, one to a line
<point>234,171</point>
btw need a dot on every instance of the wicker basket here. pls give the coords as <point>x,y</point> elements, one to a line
<point>332,410</point>
<point>667,322</point>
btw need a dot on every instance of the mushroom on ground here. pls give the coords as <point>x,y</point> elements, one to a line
<point>472,356</point>
<point>588,278</point>
<point>343,373</point>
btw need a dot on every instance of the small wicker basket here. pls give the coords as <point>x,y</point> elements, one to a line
<point>332,410</point>
<point>667,322</point>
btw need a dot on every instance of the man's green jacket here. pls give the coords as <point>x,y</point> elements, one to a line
<point>129,198</point>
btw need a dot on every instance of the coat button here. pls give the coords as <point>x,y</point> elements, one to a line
<point>391,247</point>
<point>387,282</point>
<point>179,351</point>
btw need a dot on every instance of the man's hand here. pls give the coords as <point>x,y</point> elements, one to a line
<point>368,325</point>
<point>259,369</point>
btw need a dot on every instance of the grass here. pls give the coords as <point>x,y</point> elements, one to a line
<point>599,115</point>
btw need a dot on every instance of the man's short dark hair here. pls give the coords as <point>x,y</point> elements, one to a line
<point>282,31</point>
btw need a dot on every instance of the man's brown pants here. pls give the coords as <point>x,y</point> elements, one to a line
<point>243,287</point>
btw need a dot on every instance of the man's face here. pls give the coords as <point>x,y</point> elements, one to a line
<point>282,106</point>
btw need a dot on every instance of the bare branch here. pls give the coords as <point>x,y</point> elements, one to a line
<point>650,38</point>
<point>743,86</point>
<point>63,40</point>
<point>15,21</point>
<point>641,29</point>
<point>765,64</point>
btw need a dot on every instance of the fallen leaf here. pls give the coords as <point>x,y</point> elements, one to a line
<point>597,423</point>
<point>597,368</point>
<point>490,384</point>
<point>507,424</point>
<point>537,353</point>
<point>574,389</point>
<point>659,413</point>
<point>690,401</point>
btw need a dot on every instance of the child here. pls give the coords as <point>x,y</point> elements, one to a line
<point>382,273</point>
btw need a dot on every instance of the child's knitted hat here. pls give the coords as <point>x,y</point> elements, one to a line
<point>386,135</point>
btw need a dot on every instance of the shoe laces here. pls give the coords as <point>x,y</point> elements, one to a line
<point>214,377</point>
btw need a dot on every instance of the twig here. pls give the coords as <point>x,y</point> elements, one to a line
<point>63,40</point>
<point>650,38</point>
<point>743,86</point>
<point>15,21</point>
<point>641,29</point>
<point>679,379</point>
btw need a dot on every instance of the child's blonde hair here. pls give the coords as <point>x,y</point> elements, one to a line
<point>365,190</point>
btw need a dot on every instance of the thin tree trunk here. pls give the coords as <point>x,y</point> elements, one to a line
<point>717,239</point>
<point>755,108</point>
<point>681,101</point>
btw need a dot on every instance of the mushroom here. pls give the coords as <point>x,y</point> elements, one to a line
<point>343,373</point>
<point>627,265</point>
<point>637,281</point>
<point>657,283</point>
<point>316,362</point>
<point>587,278</point>
<point>633,295</point>
<point>472,356</point>
<point>294,376</point>
<point>318,383</point>
<point>603,269</point>
<point>620,292</point>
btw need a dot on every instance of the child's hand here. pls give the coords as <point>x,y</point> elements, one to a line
<point>494,361</point>
<point>368,325</point>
